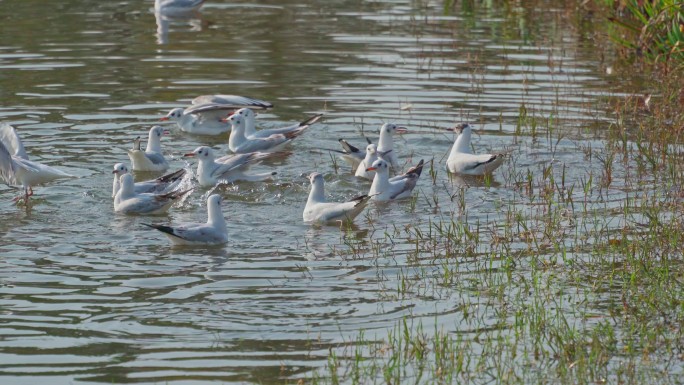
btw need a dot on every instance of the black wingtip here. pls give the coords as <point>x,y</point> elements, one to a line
<point>274,173</point>
<point>348,147</point>
<point>359,199</point>
<point>162,228</point>
<point>417,169</point>
<point>172,176</point>
<point>368,140</point>
<point>311,120</point>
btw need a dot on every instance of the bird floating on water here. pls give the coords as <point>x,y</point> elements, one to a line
<point>205,115</point>
<point>385,188</point>
<point>319,210</point>
<point>213,232</point>
<point>152,158</point>
<point>230,168</point>
<point>163,184</point>
<point>462,160</point>
<point>127,201</point>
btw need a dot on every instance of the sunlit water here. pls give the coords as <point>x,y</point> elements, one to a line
<point>89,296</point>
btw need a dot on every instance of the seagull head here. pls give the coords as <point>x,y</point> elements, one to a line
<point>174,115</point>
<point>391,129</point>
<point>246,113</point>
<point>214,200</point>
<point>158,131</point>
<point>460,128</point>
<point>202,153</point>
<point>379,166</point>
<point>315,177</point>
<point>120,169</point>
<point>371,148</point>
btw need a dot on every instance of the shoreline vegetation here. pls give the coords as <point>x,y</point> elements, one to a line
<point>581,284</point>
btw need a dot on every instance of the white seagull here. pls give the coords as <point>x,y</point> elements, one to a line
<point>205,115</point>
<point>152,158</point>
<point>240,144</point>
<point>385,188</point>
<point>228,168</point>
<point>462,160</point>
<point>127,201</point>
<point>318,210</point>
<point>214,232</point>
<point>159,185</point>
<point>251,131</point>
<point>372,155</point>
<point>177,7</point>
<point>17,169</point>
<point>386,144</point>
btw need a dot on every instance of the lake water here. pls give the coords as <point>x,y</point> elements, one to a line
<point>89,296</point>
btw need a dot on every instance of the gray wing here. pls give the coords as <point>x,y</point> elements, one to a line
<point>9,137</point>
<point>211,107</point>
<point>409,182</point>
<point>235,100</point>
<point>155,157</point>
<point>233,162</point>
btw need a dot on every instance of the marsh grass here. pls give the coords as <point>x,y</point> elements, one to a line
<point>577,277</point>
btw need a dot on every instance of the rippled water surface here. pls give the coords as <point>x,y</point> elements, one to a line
<point>88,296</point>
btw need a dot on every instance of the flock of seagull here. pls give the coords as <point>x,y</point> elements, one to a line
<point>219,114</point>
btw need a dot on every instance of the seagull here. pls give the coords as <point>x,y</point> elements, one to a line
<point>229,168</point>
<point>214,232</point>
<point>204,116</point>
<point>385,188</point>
<point>252,133</point>
<point>240,144</point>
<point>462,160</point>
<point>160,185</point>
<point>318,210</point>
<point>152,158</point>
<point>127,201</point>
<point>177,7</point>
<point>371,155</point>
<point>17,169</point>
<point>386,143</point>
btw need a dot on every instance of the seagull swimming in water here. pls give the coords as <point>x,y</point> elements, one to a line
<point>127,201</point>
<point>205,115</point>
<point>240,144</point>
<point>372,155</point>
<point>213,232</point>
<point>385,188</point>
<point>227,169</point>
<point>386,144</point>
<point>250,125</point>
<point>152,158</point>
<point>17,169</point>
<point>160,185</point>
<point>318,210</point>
<point>462,160</point>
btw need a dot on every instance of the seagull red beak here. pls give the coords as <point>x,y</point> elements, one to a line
<point>371,169</point>
<point>402,130</point>
<point>114,172</point>
<point>189,154</point>
<point>166,132</point>
<point>164,118</point>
